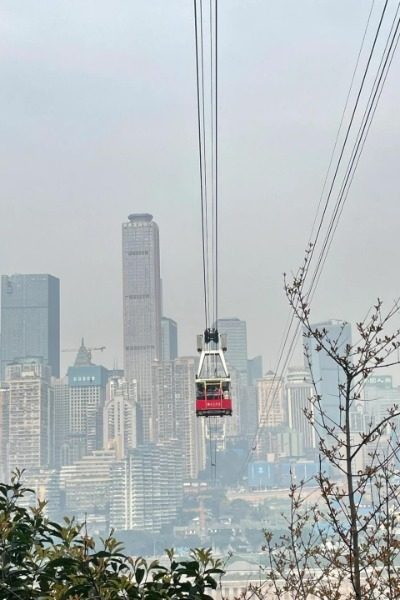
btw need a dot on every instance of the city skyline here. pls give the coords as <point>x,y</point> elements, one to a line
<point>85,169</point>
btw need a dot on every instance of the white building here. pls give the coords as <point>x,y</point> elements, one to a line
<point>271,400</point>
<point>147,487</point>
<point>119,416</point>
<point>299,392</point>
<point>29,398</point>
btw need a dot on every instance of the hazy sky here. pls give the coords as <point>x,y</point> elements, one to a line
<point>98,120</point>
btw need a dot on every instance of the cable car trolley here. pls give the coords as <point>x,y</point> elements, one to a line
<point>213,396</point>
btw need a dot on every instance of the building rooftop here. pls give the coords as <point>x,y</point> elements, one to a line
<point>140,217</point>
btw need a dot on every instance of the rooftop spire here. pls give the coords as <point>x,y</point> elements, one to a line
<point>84,356</point>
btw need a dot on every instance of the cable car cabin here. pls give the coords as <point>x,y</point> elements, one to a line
<point>213,397</point>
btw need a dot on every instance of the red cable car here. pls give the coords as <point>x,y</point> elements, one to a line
<point>213,397</point>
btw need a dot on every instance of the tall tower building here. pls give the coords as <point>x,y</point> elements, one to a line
<point>30,320</point>
<point>141,310</point>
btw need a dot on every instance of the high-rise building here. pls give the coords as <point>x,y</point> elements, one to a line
<point>271,401</point>
<point>243,415</point>
<point>190,430</point>
<point>236,354</point>
<point>169,339</point>
<point>164,399</point>
<point>249,417</point>
<point>142,310</point>
<point>86,487</point>
<point>326,373</point>
<point>147,487</point>
<point>254,369</point>
<point>174,393</point>
<point>29,416</point>
<point>87,395</point>
<point>119,416</point>
<point>60,422</point>
<point>4,407</point>
<point>299,392</point>
<point>30,320</point>
<point>379,397</point>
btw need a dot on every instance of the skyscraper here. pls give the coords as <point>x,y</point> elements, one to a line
<point>30,320</point>
<point>142,310</point>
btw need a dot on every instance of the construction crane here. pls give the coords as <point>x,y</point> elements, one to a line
<point>88,350</point>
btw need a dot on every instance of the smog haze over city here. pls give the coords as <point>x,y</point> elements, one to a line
<point>226,170</point>
<point>99,120</point>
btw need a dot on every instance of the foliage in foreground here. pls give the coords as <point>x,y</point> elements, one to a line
<point>42,559</point>
<point>346,542</point>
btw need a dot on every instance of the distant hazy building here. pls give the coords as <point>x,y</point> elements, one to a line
<point>4,408</point>
<point>271,401</point>
<point>85,486</point>
<point>379,397</point>
<point>244,414</point>
<point>163,377</point>
<point>254,369</point>
<point>142,310</point>
<point>248,417</point>
<point>235,424</point>
<point>119,416</point>
<point>147,488</point>
<point>189,428</point>
<point>30,320</point>
<point>236,354</point>
<point>169,339</point>
<point>299,392</point>
<point>29,408</point>
<point>87,395</point>
<point>60,420</point>
<point>326,374</point>
<point>174,409</point>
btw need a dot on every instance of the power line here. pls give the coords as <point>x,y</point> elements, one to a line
<point>208,149</point>
<point>358,159</point>
<point>291,348</point>
<point>201,166</point>
<point>368,115</point>
<point>216,163</point>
